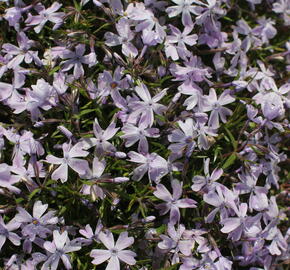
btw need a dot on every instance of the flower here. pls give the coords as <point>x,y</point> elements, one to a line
<point>38,223</point>
<point>156,166</point>
<point>6,231</point>
<point>57,250</point>
<point>172,202</point>
<point>147,106</point>
<point>115,252</point>
<point>69,160</point>
<point>46,15</point>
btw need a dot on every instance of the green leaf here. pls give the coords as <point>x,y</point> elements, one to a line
<point>231,159</point>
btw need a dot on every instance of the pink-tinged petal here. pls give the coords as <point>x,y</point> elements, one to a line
<point>230,224</point>
<point>211,215</point>
<point>5,90</point>
<point>124,241</point>
<point>139,172</point>
<point>243,209</point>
<point>59,239</point>
<point>162,193</point>
<point>143,92</point>
<point>39,209</point>
<point>16,61</point>
<point>77,151</point>
<point>66,261</point>
<point>110,131</point>
<point>100,256</point>
<point>23,215</point>
<point>212,199</point>
<point>174,214</point>
<point>129,49</point>
<point>54,160</point>
<point>87,232</point>
<point>79,165</point>
<point>14,238</point>
<point>60,173</point>
<point>136,157</point>
<point>98,167</point>
<point>107,239</point>
<point>216,174</point>
<point>71,248</point>
<point>2,241</point>
<point>80,49</point>
<point>127,256</point>
<point>214,119</point>
<point>113,264</point>
<point>177,189</point>
<point>49,246</point>
<point>159,96</point>
<point>186,203</point>
<point>185,247</point>
<point>12,225</point>
<point>78,70</point>
<point>11,49</point>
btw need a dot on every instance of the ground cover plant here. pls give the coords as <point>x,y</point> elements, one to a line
<point>144,135</point>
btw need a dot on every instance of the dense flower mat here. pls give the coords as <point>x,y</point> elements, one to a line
<point>144,135</point>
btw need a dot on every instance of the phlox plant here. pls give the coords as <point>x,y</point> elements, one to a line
<point>144,135</point>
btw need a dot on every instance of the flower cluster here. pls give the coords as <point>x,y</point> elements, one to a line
<point>144,134</point>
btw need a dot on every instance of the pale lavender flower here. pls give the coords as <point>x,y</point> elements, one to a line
<point>208,181</point>
<point>185,7</point>
<point>155,165</point>
<point>21,53</point>
<point>216,106</point>
<point>182,39</point>
<point>41,96</point>
<point>89,235</point>
<point>124,38</point>
<point>133,134</point>
<point>101,138</point>
<point>58,249</point>
<point>235,226</point>
<point>46,15</point>
<point>7,180</point>
<point>39,224</point>
<point>76,60</point>
<point>283,7</point>
<point>115,251</point>
<point>146,108</point>
<point>172,202</point>
<point>193,71</point>
<point>176,241</point>
<point>109,84</point>
<point>183,141</point>
<point>70,154</point>
<point>6,231</point>
<point>148,21</point>
<point>222,198</point>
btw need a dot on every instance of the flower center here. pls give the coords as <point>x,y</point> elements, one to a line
<point>114,252</point>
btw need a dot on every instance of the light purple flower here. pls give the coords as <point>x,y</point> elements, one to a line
<point>172,202</point>
<point>39,224</point>
<point>6,231</point>
<point>46,15</point>
<point>115,251</point>
<point>76,59</point>
<point>186,8</point>
<point>70,154</point>
<point>155,165</point>
<point>133,134</point>
<point>21,53</point>
<point>146,108</point>
<point>124,38</point>
<point>207,182</point>
<point>58,249</point>
<point>216,106</point>
<point>101,139</point>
